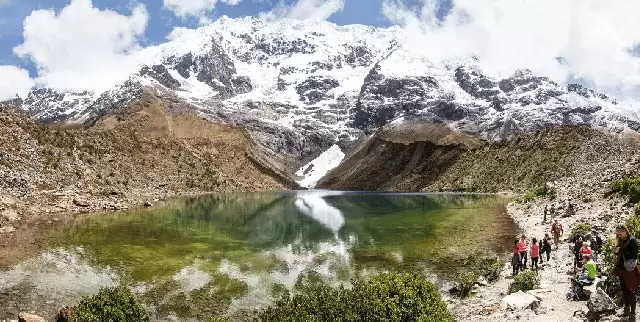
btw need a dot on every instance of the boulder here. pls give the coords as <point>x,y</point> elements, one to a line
<point>27,317</point>
<point>482,281</point>
<point>9,215</point>
<point>600,303</point>
<point>80,202</point>
<point>7,229</point>
<point>520,301</point>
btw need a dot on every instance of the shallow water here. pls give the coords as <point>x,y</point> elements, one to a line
<point>229,253</point>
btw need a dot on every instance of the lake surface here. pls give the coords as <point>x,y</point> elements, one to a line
<point>232,253</point>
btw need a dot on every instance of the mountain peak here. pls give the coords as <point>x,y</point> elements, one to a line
<point>340,80</point>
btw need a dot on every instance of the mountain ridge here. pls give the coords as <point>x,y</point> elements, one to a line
<point>322,84</point>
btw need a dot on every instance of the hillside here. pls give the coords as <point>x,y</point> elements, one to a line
<point>143,154</point>
<point>410,158</point>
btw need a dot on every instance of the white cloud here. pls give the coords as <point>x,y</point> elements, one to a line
<point>593,37</point>
<point>83,47</point>
<point>305,10</point>
<point>14,81</point>
<point>195,8</point>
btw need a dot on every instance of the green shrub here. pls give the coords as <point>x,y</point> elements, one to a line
<point>465,283</point>
<point>633,223</point>
<point>543,190</point>
<point>525,281</point>
<point>116,304</point>
<point>387,297</point>
<point>627,187</point>
<point>486,266</point>
<point>580,230</point>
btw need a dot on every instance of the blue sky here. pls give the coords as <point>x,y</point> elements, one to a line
<point>162,21</point>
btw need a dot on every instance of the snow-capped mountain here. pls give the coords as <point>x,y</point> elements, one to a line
<point>334,83</point>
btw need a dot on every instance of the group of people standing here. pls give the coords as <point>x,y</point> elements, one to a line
<point>537,250</point>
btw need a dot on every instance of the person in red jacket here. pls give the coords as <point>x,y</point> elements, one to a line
<point>585,251</point>
<point>535,253</point>
<point>557,232</point>
<point>522,247</point>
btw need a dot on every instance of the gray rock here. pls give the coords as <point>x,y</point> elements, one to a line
<point>600,303</point>
<point>80,202</point>
<point>27,317</point>
<point>7,229</point>
<point>9,215</point>
<point>520,301</point>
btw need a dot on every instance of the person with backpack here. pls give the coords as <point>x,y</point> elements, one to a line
<point>522,247</point>
<point>546,248</point>
<point>535,254</point>
<point>577,255</point>
<point>546,210</point>
<point>515,258</point>
<point>557,231</point>
<point>626,252</point>
<point>596,244</point>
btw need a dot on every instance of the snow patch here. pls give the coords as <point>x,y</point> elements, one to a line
<point>320,166</point>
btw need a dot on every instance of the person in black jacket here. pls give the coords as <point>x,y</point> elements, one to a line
<point>627,255</point>
<point>546,247</point>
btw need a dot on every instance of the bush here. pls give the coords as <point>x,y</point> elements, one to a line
<point>525,281</point>
<point>387,297</point>
<point>486,266</point>
<point>543,190</point>
<point>580,230</point>
<point>627,187</point>
<point>116,304</point>
<point>465,283</point>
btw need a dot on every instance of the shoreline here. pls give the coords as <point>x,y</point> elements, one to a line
<point>602,214</point>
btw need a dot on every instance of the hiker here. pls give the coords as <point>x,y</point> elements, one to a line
<point>596,244</point>
<point>585,278</point>
<point>535,254</point>
<point>626,268</point>
<point>585,251</point>
<point>515,259</point>
<point>546,247</point>
<point>522,247</point>
<point>556,231</point>
<point>544,219</point>
<point>552,211</point>
<point>577,247</point>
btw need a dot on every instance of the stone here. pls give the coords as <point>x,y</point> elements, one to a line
<point>7,229</point>
<point>27,317</point>
<point>80,203</point>
<point>9,215</point>
<point>520,301</point>
<point>600,303</point>
<point>148,204</point>
<point>482,281</point>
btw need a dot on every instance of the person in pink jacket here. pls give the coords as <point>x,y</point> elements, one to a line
<point>535,253</point>
<point>522,247</point>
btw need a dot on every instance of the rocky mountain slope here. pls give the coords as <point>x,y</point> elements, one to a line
<point>299,87</point>
<point>421,157</point>
<point>124,160</point>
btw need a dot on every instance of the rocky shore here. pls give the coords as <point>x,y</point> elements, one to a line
<point>551,303</point>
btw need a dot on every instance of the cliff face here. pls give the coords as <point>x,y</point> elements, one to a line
<point>401,160</point>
